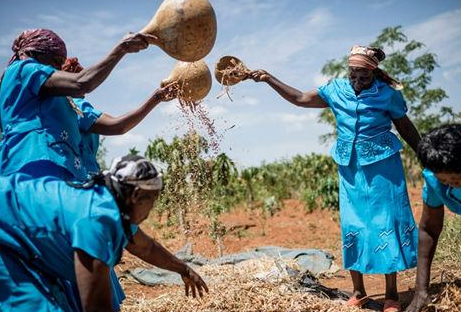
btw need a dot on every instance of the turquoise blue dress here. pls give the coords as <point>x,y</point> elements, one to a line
<point>40,135</point>
<point>90,141</point>
<point>379,234</point>
<point>45,136</point>
<point>90,145</point>
<point>436,194</point>
<point>38,236</point>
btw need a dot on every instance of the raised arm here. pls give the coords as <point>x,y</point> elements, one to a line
<point>108,125</point>
<point>309,99</point>
<point>62,83</point>
<point>93,283</point>
<point>147,249</point>
<point>430,226</point>
<point>408,131</point>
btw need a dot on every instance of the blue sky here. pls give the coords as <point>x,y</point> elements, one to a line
<point>291,39</point>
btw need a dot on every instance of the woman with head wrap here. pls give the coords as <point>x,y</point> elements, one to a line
<point>378,230</point>
<point>45,243</point>
<point>38,118</point>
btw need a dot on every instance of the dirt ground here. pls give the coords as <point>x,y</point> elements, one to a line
<point>291,227</point>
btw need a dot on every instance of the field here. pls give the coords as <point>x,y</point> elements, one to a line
<point>292,226</point>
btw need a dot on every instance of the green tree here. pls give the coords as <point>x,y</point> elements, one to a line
<point>409,62</point>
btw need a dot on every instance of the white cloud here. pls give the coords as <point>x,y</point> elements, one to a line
<point>284,40</point>
<point>170,109</point>
<point>227,10</point>
<point>442,35</point>
<point>298,122</point>
<point>216,110</point>
<point>320,80</point>
<point>128,139</point>
<point>251,101</point>
<point>380,4</point>
<point>452,74</point>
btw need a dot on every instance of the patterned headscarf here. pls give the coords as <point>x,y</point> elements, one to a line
<point>363,57</point>
<point>366,57</point>
<point>38,40</point>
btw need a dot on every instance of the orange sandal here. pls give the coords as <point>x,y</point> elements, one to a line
<point>391,306</point>
<point>356,302</point>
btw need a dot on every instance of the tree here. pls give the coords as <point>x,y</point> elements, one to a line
<point>408,61</point>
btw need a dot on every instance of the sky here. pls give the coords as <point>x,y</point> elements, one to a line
<point>292,39</point>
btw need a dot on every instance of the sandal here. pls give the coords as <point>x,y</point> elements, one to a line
<point>391,306</point>
<point>356,302</point>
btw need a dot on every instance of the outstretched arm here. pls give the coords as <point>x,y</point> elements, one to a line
<point>407,131</point>
<point>93,283</point>
<point>108,125</point>
<point>309,99</point>
<point>147,249</point>
<point>430,226</point>
<point>62,83</point>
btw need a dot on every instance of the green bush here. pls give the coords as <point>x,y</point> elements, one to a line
<point>449,247</point>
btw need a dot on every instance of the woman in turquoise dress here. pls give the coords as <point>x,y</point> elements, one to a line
<point>40,132</point>
<point>77,234</point>
<point>378,230</point>
<point>440,154</point>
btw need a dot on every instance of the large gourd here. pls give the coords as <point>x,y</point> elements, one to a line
<point>193,80</point>
<point>186,28</point>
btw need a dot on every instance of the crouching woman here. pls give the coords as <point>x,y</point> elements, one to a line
<point>52,233</point>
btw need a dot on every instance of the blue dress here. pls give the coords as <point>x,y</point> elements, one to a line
<point>379,234</point>
<point>41,135</point>
<point>45,136</point>
<point>90,141</point>
<point>90,145</point>
<point>38,236</point>
<point>436,194</point>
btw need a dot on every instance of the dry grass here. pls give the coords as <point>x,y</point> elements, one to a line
<point>235,289</point>
<point>448,298</point>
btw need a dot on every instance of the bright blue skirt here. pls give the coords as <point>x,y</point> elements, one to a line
<point>379,233</point>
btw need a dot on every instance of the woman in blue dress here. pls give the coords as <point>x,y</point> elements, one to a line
<point>440,154</point>
<point>41,124</point>
<point>40,132</point>
<point>77,234</point>
<point>378,229</point>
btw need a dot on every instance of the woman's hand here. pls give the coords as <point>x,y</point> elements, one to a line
<point>135,42</point>
<point>418,303</point>
<point>166,93</point>
<point>259,75</point>
<point>193,282</point>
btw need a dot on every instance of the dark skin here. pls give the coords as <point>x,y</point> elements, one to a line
<point>62,83</point>
<point>430,227</point>
<point>360,79</point>
<point>93,275</point>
